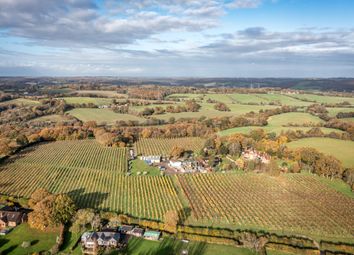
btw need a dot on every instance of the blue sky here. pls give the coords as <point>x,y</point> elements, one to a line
<point>167,38</point>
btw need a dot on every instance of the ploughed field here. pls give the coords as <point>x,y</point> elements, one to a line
<point>95,177</point>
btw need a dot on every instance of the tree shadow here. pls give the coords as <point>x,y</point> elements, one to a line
<point>88,200</point>
<point>34,242</point>
<point>3,242</point>
<point>184,214</point>
<point>9,250</point>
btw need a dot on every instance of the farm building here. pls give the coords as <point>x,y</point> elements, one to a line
<point>152,235</point>
<point>187,166</point>
<point>138,232</point>
<point>125,229</point>
<point>152,159</point>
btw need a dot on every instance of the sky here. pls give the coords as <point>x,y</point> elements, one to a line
<point>177,38</point>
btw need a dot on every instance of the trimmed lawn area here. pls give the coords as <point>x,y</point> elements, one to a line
<point>40,241</point>
<point>138,246</point>
<point>140,166</point>
<point>102,115</point>
<point>342,150</point>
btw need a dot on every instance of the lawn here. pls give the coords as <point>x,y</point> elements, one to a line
<point>138,246</point>
<point>102,115</point>
<point>86,100</point>
<point>141,166</point>
<point>276,124</point>
<point>40,241</point>
<point>343,150</point>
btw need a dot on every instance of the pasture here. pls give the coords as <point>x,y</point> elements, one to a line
<point>21,101</point>
<point>51,118</point>
<point>324,99</point>
<point>102,115</point>
<point>86,100</point>
<point>332,111</point>
<point>103,93</point>
<point>342,150</point>
<point>280,122</point>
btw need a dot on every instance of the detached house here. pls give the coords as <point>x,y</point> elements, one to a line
<point>91,240</point>
<point>11,218</point>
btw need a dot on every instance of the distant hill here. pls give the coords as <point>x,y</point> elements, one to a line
<point>324,84</point>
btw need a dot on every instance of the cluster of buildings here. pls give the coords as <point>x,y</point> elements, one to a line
<point>178,166</point>
<point>11,217</point>
<point>252,154</point>
<point>94,240</point>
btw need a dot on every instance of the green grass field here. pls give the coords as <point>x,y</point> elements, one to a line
<point>333,111</point>
<point>102,115</point>
<point>53,118</point>
<point>342,150</point>
<point>325,99</point>
<point>85,100</point>
<point>40,241</point>
<point>103,93</point>
<point>276,124</point>
<point>21,101</point>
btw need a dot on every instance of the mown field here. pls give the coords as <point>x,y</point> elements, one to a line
<point>159,146</point>
<point>95,177</point>
<point>279,123</point>
<point>342,150</point>
<point>101,115</point>
<point>295,203</point>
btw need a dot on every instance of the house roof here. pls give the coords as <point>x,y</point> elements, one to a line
<point>8,216</point>
<point>105,236</point>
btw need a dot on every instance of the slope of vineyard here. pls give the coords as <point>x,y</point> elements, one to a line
<point>74,154</point>
<point>163,146</point>
<point>92,175</point>
<point>292,203</point>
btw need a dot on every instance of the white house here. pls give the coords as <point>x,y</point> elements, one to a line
<point>152,159</point>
